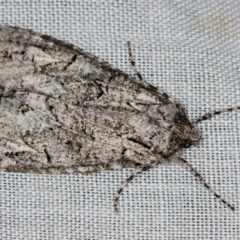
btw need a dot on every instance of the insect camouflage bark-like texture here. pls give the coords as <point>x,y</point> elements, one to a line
<point>63,110</point>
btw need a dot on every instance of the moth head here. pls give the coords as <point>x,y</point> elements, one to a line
<point>190,136</point>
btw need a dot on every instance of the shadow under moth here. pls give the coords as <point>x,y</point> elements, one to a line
<point>63,110</point>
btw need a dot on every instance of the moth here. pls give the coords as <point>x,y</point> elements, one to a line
<point>63,110</point>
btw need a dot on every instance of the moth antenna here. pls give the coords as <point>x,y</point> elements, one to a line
<point>138,171</point>
<point>134,68</point>
<point>210,115</point>
<point>202,181</point>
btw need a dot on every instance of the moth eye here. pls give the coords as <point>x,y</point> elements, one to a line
<point>186,144</point>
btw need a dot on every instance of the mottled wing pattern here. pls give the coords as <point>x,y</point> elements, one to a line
<point>63,110</point>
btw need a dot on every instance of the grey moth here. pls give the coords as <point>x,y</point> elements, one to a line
<point>63,110</point>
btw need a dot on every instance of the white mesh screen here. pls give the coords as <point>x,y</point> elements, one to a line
<point>189,49</point>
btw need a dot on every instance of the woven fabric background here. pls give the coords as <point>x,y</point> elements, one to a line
<point>191,50</point>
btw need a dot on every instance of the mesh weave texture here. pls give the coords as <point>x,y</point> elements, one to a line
<point>189,49</point>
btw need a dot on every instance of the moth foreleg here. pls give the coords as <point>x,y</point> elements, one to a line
<point>138,171</point>
<point>210,115</point>
<point>134,68</point>
<point>202,181</point>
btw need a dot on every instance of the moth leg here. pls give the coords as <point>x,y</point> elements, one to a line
<point>134,68</point>
<point>202,181</point>
<point>210,115</point>
<point>138,171</point>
